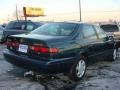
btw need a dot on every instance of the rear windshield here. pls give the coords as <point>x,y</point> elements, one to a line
<point>55,29</point>
<point>16,25</point>
<point>110,28</point>
<point>39,24</point>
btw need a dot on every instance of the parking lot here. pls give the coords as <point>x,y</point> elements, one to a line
<point>103,75</point>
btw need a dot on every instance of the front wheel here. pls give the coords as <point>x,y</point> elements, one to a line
<point>78,70</point>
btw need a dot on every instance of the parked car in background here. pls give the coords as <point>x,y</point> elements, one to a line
<point>19,27</point>
<point>112,30</point>
<point>64,47</point>
<point>1,32</point>
<point>4,25</point>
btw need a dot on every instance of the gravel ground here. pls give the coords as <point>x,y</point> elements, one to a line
<point>99,76</point>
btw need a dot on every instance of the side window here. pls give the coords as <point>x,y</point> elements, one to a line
<point>19,26</point>
<point>16,25</point>
<point>89,32</point>
<point>30,26</point>
<point>81,36</point>
<point>100,32</point>
<point>23,27</point>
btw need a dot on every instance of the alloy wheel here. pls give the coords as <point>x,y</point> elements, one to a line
<point>80,69</point>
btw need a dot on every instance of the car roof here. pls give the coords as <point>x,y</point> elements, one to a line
<point>72,22</point>
<point>76,22</point>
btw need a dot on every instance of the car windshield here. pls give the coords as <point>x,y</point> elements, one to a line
<point>55,29</point>
<point>110,28</point>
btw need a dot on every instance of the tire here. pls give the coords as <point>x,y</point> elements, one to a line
<point>78,70</point>
<point>6,38</point>
<point>115,54</point>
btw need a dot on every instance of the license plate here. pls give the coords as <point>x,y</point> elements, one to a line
<point>23,48</point>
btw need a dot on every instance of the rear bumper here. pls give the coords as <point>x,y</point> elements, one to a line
<point>40,66</point>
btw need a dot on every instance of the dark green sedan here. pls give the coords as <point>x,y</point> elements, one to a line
<point>60,47</point>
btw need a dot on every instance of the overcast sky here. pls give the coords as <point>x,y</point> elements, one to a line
<point>62,7</point>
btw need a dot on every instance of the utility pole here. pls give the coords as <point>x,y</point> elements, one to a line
<point>17,12</point>
<point>80,10</point>
<point>24,11</point>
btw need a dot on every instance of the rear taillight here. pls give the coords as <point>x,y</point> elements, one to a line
<point>41,49</point>
<point>53,50</point>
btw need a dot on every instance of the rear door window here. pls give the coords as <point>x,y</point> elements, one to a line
<point>30,26</point>
<point>89,32</point>
<point>100,32</point>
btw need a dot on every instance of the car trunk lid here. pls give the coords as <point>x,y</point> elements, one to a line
<point>31,46</point>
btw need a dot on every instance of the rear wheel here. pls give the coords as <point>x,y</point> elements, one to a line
<point>78,70</point>
<point>115,54</point>
<point>6,38</point>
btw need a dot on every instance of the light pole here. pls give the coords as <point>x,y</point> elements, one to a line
<point>17,12</point>
<point>80,10</point>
